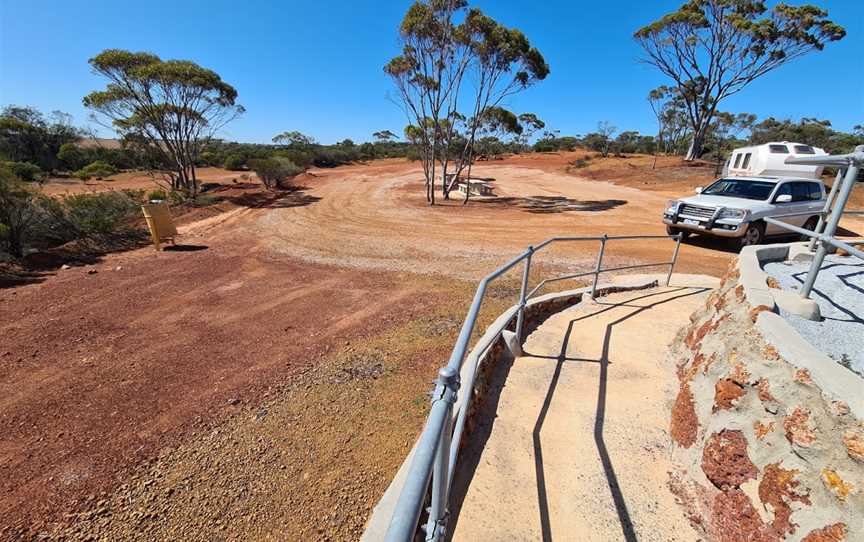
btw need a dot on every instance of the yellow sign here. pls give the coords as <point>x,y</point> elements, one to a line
<point>158,217</point>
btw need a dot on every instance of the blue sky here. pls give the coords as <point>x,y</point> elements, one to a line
<point>315,66</point>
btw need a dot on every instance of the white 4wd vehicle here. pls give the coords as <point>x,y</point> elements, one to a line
<point>734,207</point>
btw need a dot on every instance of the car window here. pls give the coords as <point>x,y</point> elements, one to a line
<point>815,191</point>
<point>801,191</point>
<point>737,160</point>
<point>746,161</point>
<point>778,149</point>
<point>784,190</point>
<point>804,149</point>
<point>740,188</point>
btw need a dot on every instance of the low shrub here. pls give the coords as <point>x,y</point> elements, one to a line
<point>24,171</point>
<point>234,162</point>
<point>274,172</point>
<point>103,212</point>
<point>98,169</point>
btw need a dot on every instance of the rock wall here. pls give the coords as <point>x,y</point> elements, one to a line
<point>762,454</point>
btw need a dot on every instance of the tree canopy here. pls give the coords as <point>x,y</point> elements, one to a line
<point>170,106</point>
<point>713,49</point>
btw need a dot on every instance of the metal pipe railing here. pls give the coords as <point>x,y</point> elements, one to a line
<point>437,448</point>
<point>850,162</point>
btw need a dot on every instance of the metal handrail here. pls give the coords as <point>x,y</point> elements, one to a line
<point>847,174</point>
<point>437,448</point>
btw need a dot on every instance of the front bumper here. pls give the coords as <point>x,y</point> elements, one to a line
<point>722,227</point>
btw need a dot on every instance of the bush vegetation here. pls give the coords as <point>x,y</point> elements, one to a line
<point>97,169</point>
<point>29,219</point>
<point>274,172</point>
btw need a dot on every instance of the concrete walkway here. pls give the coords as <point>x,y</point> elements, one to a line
<point>577,449</point>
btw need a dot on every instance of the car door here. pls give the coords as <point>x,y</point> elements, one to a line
<point>781,209</point>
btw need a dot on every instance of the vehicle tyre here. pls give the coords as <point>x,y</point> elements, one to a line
<point>755,234</point>
<point>810,225</point>
<point>675,231</point>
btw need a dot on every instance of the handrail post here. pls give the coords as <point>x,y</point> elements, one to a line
<point>448,386</point>
<point>599,265</point>
<point>520,316</point>
<point>674,257</point>
<point>823,218</point>
<point>831,224</point>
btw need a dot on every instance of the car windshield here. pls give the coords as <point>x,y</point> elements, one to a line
<point>740,188</point>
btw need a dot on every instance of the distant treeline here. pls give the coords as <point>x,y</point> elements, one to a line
<point>33,144</point>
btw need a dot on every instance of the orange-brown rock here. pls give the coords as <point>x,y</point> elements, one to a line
<point>831,533</point>
<point>798,428</point>
<point>739,374</point>
<point>771,353</point>
<point>853,439</point>
<point>772,282</point>
<point>780,489</point>
<point>726,391</point>
<point>839,487</point>
<point>762,428</point>
<point>684,425</point>
<point>735,519</point>
<point>725,461</point>
<point>803,376</point>
<point>764,390</point>
<point>754,313</point>
<point>739,292</point>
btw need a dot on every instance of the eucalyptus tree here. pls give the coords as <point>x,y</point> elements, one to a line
<point>727,127</point>
<point>172,108</point>
<point>443,44</point>
<point>713,49</point>
<point>503,64</point>
<point>605,130</point>
<point>531,124</point>
<point>428,75</point>
<point>384,136</point>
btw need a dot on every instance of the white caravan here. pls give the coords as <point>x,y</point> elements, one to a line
<point>769,160</point>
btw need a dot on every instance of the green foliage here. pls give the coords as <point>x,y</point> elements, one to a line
<point>166,109</point>
<point>712,49</point>
<point>97,169</point>
<point>26,135</point>
<point>807,130</point>
<point>102,212</point>
<point>72,157</point>
<point>24,171</point>
<point>235,162</point>
<point>274,172</point>
<point>18,212</point>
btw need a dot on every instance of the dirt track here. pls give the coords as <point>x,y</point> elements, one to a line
<point>131,398</point>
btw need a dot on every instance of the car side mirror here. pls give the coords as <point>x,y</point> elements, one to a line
<point>698,189</point>
<point>783,198</point>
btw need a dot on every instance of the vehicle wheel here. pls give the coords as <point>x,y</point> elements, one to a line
<point>675,231</point>
<point>809,225</point>
<point>755,234</point>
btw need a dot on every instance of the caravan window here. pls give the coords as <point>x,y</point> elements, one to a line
<point>737,160</point>
<point>778,149</point>
<point>746,161</point>
<point>804,149</point>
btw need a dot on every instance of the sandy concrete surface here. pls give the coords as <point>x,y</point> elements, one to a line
<point>578,449</point>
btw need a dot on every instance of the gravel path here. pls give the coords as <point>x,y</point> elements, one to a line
<point>839,291</point>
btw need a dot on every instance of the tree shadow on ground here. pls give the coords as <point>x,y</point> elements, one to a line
<point>276,199</point>
<point>475,444</point>
<point>550,204</point>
